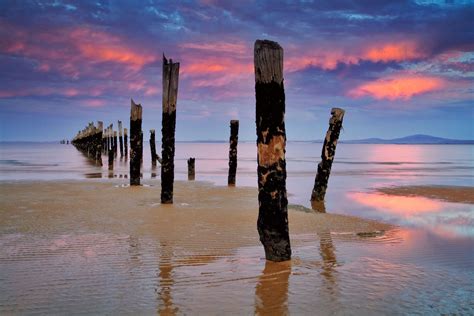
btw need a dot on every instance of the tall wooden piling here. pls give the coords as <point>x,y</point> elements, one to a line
<point>170,96</point>
<point>327,157</point>
<point>125,141</point>
<point>136,148</point>
<point>191,169</point>
<point>271,142</point>
<point>233,140</point>
<point>153,148</point>
<point>120,138</point>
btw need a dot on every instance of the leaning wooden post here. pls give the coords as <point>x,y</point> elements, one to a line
<point>233,140</point>
<point>271,141</point>
<point>120,138</point>
<point>125,141</point>
<point>136,150</point>
<point>170,96</point>
<point>153,148</point>
<point>191,169</point>
<point>327,157</point>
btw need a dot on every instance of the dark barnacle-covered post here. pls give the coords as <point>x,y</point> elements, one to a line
<point>327,157</point>
<point>154,156</point>
<point>233,140</point>
<point>271,141</point>
<point>170,96</point>
<point>191,169</point>
<point>136,149</point>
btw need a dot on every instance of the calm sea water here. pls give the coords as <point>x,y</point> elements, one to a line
<point>426,266</point>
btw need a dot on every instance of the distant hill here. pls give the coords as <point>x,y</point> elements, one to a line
<point>412,139</point>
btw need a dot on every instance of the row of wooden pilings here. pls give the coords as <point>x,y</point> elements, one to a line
<point>272,221</point>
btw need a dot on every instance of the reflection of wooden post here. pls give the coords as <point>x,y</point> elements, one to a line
<point>272,289</point>
<point>233,140</point>
<point>191,168</point>
<point>125,141</point>
<point>120,138</point>
<point>170,95</point>
<point>136,150</point>
<point>271,141</point>
<point>327,157</point>
<point>153,148</point>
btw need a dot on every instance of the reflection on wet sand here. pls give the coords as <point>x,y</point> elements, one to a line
<point>271,293</point>
<point>327,251</point>
<point>406,206</point>
<point>165,276</point>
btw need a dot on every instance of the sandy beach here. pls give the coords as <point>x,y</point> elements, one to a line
<point>456,194</point>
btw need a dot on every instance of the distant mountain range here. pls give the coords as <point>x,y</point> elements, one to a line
<point>412,139</point>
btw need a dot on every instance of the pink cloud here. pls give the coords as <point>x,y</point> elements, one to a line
<point>332,54</point>
<point>94,103</point>
<point>398,87</point>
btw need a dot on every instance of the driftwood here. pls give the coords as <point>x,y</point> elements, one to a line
<point>136,148</point>
<point>170,95</point>
<point>233,140</point>
<point>271,142</point>
<point>327,157</point>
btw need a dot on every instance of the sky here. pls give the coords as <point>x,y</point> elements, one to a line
<point>397,67</point>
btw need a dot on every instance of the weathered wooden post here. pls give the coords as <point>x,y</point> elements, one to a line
<point>115,143</point>
<point>98,142</point>
<point>271,141</point>
<point>136,149</point>
<point>233,140</point>
<point>120,138</point>
<point>111,159</point>
<point>191,169</point>
<point>170,96</point>
<point>125,141</point>
<point>327,157</point>
<point>153,148</point>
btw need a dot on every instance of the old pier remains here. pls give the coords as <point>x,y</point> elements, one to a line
<point>327,157</point>
<point>233,140</point>
<point>170,96</point>
<point>136,142</point>
<point>271,141</point>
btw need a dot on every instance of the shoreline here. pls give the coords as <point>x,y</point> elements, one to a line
<point>454,194</point>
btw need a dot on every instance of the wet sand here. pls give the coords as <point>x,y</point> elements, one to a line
<point>101,247</point>
<point>81,238</point>
<point>456,194</point>
<point>200,211</point>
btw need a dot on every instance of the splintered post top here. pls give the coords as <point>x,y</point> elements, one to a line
<point>337,113</point>
<point>268,61</point>
<point>135,111</point>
